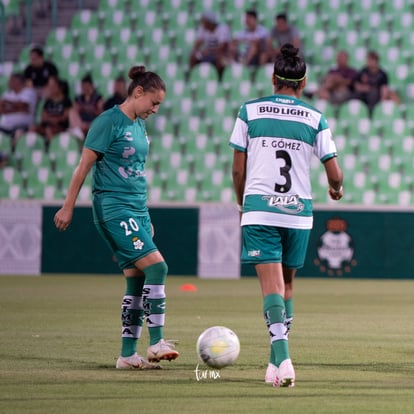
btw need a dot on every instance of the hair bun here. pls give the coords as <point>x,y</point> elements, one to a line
<point>136,71</point>
<point>289,50</point>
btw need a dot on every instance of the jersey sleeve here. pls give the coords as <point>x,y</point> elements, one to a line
<point>239,136</point>
<point>324,147</point>
<point>100,134</point>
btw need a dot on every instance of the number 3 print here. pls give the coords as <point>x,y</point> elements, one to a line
<point>284,172</point>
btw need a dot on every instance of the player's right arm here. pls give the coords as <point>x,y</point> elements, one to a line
<point>239,174</point>
<point>64,216</point>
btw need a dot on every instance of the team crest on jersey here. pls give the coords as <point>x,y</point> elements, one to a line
<point>128,136</point>
<point>138,244</point>
<point>289,204</point>
<point>335,251</point>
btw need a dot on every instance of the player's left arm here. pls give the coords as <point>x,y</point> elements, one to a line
<point>335,178</point>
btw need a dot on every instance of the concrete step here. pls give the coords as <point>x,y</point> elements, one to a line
<point>41,26</point>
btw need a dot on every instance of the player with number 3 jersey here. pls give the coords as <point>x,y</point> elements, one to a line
<point>274,139</point>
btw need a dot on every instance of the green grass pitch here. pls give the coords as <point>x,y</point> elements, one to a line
<point>352,344</point>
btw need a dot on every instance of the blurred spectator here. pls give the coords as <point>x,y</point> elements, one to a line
<point>4,158</point>
<point>17,107</point>
<point>371,84</point>
<point>119,93</point>
<point>248,45</point>
<point>55,109</point>
<point>212,43</point>
<point>87,106</point>
<point>338,84</point>
<point>39,71</point>
<point>281,33</point>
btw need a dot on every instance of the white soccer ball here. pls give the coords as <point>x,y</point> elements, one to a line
<point>218,347</point>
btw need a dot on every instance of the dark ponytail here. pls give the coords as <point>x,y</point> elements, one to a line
<point>290,68</point>
<point>147,80</point>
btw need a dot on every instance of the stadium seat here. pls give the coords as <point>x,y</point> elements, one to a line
<point>11,184</point>
<point>113,19</point>
<point>64,170</point>
<point>203,72</point>
<point>112,5</point>
<point>58,38</point>
<point>59,147</point>
<point>130,53</point>
<point>28,143</point>
<point>351,110</point>
<point>41,184</point>
<point>5,143</point>
<point>84,19</point>
<point>355,185</point>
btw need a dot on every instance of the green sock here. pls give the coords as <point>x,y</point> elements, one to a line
<point>289,313</point>
<point>275,315</point>
<point>132,315</point>
<point>154,300</point>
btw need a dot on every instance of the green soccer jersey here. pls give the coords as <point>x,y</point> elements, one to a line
<point>119,173</point>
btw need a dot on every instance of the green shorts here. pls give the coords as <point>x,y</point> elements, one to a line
<point>129,236</point>
<point>268,244</point>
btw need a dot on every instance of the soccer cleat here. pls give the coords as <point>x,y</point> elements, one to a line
<point>285,375</point>
<point>162,350</point>
<point>135,362</point>
<point>270,373</point>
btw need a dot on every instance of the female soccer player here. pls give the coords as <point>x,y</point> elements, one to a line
<point>273,141</point>
<point>117,147</point>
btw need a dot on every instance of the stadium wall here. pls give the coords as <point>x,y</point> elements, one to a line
<point>204,240</point>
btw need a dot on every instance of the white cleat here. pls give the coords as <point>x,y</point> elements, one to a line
<point>135,362</point>
<point>271,372</point>
<point>162,350</point>
<point>285,375</point>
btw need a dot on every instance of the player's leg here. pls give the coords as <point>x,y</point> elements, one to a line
<point>132,311</point>
<point>130,237</point>
<point>132,317</point>
<point>272,284</point>
<point>261,246</point>
<point>288,276</point>
<point>295,244</point>
<point>154,300</point>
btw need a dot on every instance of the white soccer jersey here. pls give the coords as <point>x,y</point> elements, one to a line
<point>280,133</point>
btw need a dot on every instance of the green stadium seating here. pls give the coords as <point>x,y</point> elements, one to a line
<point>113,5</point>
<point>41,183</point>
<point>84,19</point>
<point>198,114</point>
<point>114,19</point>
<point>28,143</point>
<point>5,143</point>
<point>11,184</point>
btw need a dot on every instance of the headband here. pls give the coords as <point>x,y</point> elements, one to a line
<point>291,80</point>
